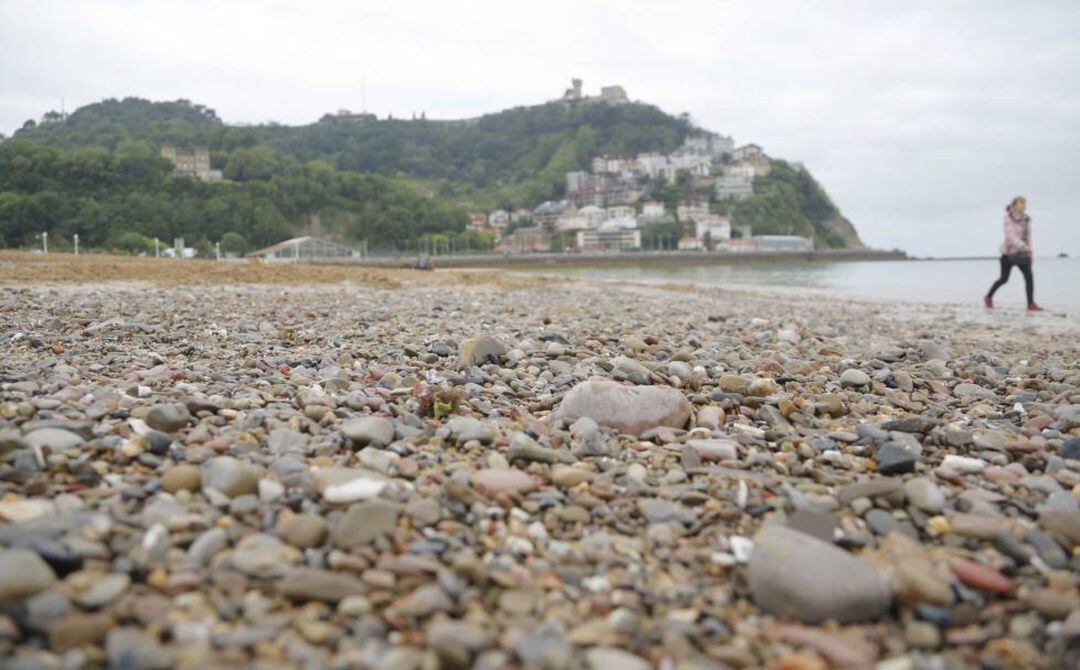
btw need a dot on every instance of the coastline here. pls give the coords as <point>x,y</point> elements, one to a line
<point>639,258</point>
<point>272,444</point>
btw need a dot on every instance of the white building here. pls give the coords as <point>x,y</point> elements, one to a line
<point>697,165</point>
<point>691,210</point>
<point>747,152</point>
<point>619,212</point>
<point>715,227</point>
<point>734,186</point>
<point>612,165</point>
<point>499,219</point>
<point>748,170</point>
<point>608,240</point>
<point>714,146</point>
<point>576,181</point>
<point>571,219</point>
<point>691,244</point>
<point>594,216</point>
<point>652,164</point>
<point>653,210</point>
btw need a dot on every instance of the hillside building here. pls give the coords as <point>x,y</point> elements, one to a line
<point>653,210</point>
<point>548,212</point>
<point>498,219</point>
<point>747,152</point>
<point>194,163</point>
<point>614,94</point>
<point>691,210</point>
<point>733,186</point>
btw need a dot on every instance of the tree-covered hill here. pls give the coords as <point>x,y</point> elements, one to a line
<point>352,177</point>
<point>789,201</point>
<point>122,198</point>
<point>517,157</point>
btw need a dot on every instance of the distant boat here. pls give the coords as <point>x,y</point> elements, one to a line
<point>1063,255</point>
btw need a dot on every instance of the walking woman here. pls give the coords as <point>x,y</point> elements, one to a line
<point>1016,251</point>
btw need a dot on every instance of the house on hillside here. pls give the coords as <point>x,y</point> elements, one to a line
<point>193,162</point>
<point>747,152</point>
<point>733,186</point>
<point>499,219</point>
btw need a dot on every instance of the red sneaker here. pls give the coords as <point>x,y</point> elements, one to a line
<point>1034,308</point>
<point>988,301</point>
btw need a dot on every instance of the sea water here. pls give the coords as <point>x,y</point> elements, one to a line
<point>1057,280</point>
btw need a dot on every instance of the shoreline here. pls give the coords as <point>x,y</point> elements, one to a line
<point>639,258</point>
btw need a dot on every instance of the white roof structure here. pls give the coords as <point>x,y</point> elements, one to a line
<point>304,249</point>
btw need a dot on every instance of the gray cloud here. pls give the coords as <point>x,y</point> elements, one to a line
<point>921,119</point>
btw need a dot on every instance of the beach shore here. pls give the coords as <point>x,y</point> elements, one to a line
<point>209,464</point>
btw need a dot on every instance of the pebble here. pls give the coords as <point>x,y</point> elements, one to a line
<point>606,658</point>
<point>893,460</point>
<point>56,439</point>
<point>924,494</point>
<point>305,584</point>
<point>480,350</point>
<point>371,430</point>
<point>262,555</point>
<point>841,587</point>
<point>182,477</point>
<point>363,522</point>
<point>852,378</point>
<point>230,476</point>
<point>22,574</point>
<point>496,481</point>
<point>715,449</point>
<point>964,464</point>
<point>627,409</point>
<point>303,531</point>
<point>168,418</point>
<point>982,577</point>
<point>103,590</point>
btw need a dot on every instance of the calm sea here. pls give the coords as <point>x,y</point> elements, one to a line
<point>1057,280</point>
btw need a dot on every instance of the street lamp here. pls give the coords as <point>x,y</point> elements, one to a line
<point>76,236</point>
<point>45,242</point>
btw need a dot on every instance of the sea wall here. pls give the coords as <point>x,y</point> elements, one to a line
<point>629,258</point>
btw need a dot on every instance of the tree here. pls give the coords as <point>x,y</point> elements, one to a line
<point>132,243</point>
<point>233,243</point>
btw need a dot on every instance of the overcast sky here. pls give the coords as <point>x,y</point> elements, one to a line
<point>921,119</point>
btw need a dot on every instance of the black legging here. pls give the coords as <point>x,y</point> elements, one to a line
<point>1022,261</point>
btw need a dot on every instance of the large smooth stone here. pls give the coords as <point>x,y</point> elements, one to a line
<point>364,522</point>
<point>628,409</point>
<point>796,576</point>
<point>369,430</point>
<point>304,584</point>
<point>480,350</point>
<point>56,439</point>
<point>22,574</point>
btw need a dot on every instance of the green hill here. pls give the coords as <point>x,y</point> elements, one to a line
<point>351,177</point>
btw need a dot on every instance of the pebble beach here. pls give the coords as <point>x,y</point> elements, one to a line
<point>214,465</point>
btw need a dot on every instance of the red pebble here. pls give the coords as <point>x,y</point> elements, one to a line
<point>982,577</point>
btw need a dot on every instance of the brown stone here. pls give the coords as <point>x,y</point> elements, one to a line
<point>981,577</point>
